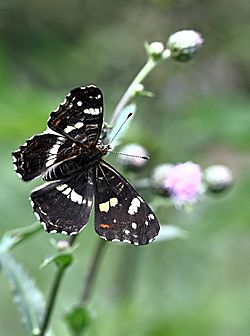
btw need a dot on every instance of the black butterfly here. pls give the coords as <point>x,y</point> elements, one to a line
<point>69,156</point>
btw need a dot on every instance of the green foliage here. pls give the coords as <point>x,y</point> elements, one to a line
<point>61,260</point>
<point>27,296</point>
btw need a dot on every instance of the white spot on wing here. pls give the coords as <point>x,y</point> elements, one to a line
<point>44,226</point>
<point>76,197</point>
<point>113,201</point>
<point>53,231</point>
<point>50,162</point>
<point>126,241</point>
<point>135,205</point>
<point>126,232</point>
<point>67,191</point>
<point>115,240</point>
<point>92,111</point>
<point>134,226</point>
<point>79,125</point>
<point>61,187</point>
<point>79,103</point>
<point>69,129</point>
<point>104,207</point>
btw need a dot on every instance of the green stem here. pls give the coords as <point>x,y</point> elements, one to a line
<point>131,90</point>
<point>129,93</point>
<point>92,272</point>
<point>53,294</point>
<point>51,301</point>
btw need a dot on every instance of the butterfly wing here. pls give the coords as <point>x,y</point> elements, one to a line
<point>78,120</point>
<point>41,152</point>
<point>64,206</point>
<point>120,212</point>
<point>80,116</point>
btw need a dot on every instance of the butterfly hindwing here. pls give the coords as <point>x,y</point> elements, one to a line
<point>120,212</point>
<point>64,206</point>
<point>40,152</point>
<point>80,116</point>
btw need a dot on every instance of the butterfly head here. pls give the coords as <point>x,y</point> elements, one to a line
<point>103,149</point>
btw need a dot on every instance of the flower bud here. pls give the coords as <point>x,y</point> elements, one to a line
<point>184,44</point>
<point>62,245</point>
<point>132,157</point>
<point>155,50</point>
<point>139,88</point>
<point>218,178</point>
<point>158,178</point>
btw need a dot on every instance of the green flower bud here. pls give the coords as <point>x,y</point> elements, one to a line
<point>184,44</point>
<point>132,157</point>
<point>155,50</point>
<point>158,178</point>
<point>62,245</point>
<point>218,178</point>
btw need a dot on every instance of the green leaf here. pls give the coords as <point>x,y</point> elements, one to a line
<point>27,296</point>
<point>13,237</point>
<point>78,320</point>
<point>61,260</point>
<point>168,232</point>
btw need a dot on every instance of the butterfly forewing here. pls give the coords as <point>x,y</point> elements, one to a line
<point>120,212</point>
<point>41,152</point>
<point>80,116</point>
<point>64,206</point>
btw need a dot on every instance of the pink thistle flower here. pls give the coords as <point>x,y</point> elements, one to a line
<point>184,181</point>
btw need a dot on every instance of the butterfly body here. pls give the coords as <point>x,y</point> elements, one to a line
<point>68,155</point>
<point>82,162</point>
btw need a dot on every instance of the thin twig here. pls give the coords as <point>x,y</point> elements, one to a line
<point>92,272</point>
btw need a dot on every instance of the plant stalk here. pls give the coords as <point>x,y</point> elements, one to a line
<point>52,298</point>
<point>92,272</point>
<point>53,294</point>
<point>129,93</point>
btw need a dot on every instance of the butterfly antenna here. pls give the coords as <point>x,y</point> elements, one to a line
<point>128,116</point>
<point>130,155</point>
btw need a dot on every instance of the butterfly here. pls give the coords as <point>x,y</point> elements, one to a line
<point>68,156</point>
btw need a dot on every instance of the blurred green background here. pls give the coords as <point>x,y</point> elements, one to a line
<point>200,112</point>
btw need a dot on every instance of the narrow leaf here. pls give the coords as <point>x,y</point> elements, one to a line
<point>13,237</point>
<point>168,232</point>
<point>27,296</point>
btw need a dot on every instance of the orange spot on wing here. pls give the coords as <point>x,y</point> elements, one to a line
<point>104,226</point>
